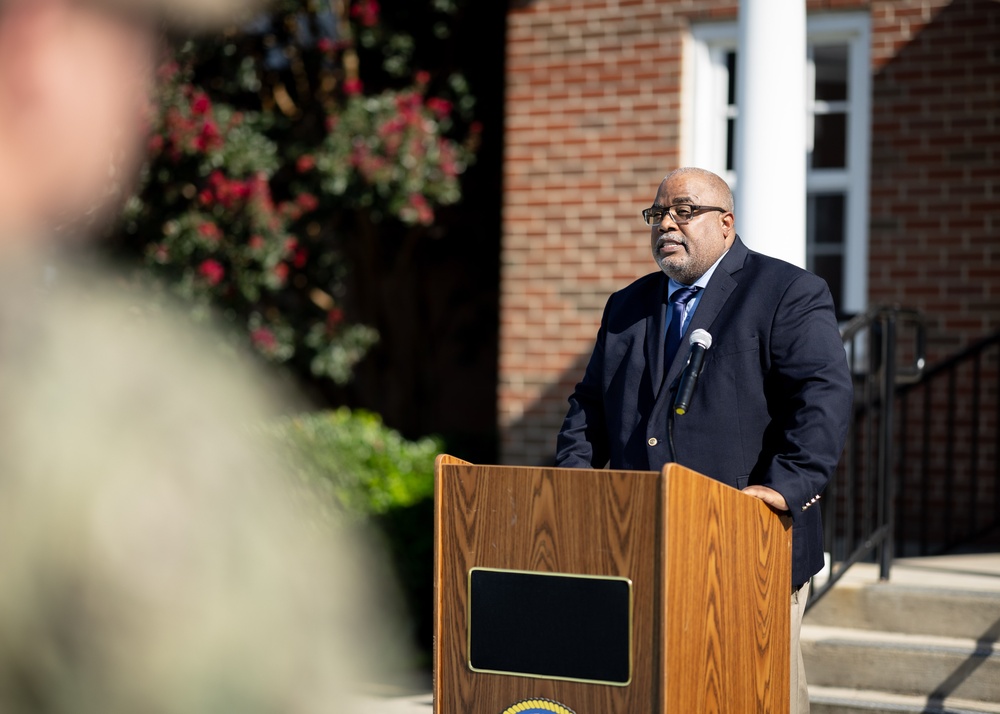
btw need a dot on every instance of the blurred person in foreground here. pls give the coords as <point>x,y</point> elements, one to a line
<point>156,555</point>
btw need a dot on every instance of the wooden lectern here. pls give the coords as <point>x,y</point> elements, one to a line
<point>607,592</point>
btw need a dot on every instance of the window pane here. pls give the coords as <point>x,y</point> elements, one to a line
<point>731,69</point>
<point>830,143</point>
<point>825,219</point>
<point>831,269</point>
<point>730,144</point>
<point>826,242</point>
<point>731,111</point>
<point>831,73</point>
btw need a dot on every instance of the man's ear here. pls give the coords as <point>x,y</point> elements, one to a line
<point>728,221</point>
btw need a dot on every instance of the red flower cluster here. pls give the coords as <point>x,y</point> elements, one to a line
<point>189,127</point>
<point>225,191</point>
<point>212,271</point>
<point>210,231</point>
<point>305,163</point>
<point>334,317</point>
<point>300,258</point>
<point>264,340</point>
<point>307,202</point>
<point>440,107</point>
<point>449,160</point>
<point>418,210</point>
<point>353,87</point>
<point>366,12</point>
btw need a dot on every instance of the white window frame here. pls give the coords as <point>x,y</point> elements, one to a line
<point>704,126</point>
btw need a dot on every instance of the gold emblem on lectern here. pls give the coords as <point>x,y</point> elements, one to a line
<point>538,706</point>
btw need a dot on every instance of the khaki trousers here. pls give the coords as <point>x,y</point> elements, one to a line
<point>797,687</point>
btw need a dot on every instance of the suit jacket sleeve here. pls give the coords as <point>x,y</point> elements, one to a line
<point>583,439</point>
<point>809,393</point>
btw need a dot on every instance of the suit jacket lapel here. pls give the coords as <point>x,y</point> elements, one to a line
<point>714,297</point>
<point>656,332</point>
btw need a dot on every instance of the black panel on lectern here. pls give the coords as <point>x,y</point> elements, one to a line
<point>551,626</point>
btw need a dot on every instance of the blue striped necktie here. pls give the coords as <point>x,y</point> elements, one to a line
<point>678,301</point>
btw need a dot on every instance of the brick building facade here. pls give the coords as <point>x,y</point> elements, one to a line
<point>599,107</point>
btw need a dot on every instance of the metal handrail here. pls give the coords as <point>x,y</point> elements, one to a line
<point>892,482</point>
<point>961,411</point>
<point>859,518</point>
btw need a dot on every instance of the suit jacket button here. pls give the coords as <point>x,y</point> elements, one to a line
<point>652,441</point>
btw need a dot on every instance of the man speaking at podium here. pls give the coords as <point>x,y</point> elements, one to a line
<point>768,410</point>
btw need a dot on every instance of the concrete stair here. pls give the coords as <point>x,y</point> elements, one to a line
<point>926,641</point>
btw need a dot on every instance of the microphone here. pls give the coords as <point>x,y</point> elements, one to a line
<point>700,341</point>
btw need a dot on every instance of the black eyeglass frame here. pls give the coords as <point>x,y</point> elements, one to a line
<point>673,215</point>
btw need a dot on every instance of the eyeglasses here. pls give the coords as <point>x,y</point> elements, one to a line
<point>681,213</point>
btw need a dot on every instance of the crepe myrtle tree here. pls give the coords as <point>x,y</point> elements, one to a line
<point>278,148</point>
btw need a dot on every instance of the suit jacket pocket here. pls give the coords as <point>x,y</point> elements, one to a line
<point>735,346</point>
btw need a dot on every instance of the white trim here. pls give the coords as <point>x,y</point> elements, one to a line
<point>704,83</point>
<point>707,149</point>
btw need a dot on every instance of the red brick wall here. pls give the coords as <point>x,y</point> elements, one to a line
<point>593,121</point>
<point>936,165</point>
<point>934,244</point>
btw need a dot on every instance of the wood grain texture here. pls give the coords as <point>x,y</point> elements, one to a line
<point>727,580</point>
<point>694,641</point>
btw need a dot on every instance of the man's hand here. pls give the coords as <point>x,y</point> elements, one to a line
<point>768,495</point>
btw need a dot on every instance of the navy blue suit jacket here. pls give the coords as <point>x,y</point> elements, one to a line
<point>771,407</point>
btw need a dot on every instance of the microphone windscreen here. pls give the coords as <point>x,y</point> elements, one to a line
<point>700,337</point>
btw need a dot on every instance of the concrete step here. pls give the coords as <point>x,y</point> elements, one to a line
<point>914,609</point>
<point>837,700</point>
<point>953,596</point>
<point>900,663</point>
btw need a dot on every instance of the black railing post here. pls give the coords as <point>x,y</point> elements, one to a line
<point>925,472</point>
<point>974,447</point>
<point>886,502</point>
<point>861,518</point>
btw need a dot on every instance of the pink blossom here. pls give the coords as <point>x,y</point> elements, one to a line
<point>210,231</point>
<point>300,258</point>
<point>352,87</point>
<point>449,164</point>
<point>422,210</point>
<point>208,138</point>
<point>263,339</point>
<point>201,104</point>
<point>440,107</point>
<point>307,202</point>
<point>408,104</point>
<point>305,163</point>
<point>212,271</point>
<point>366,12</point>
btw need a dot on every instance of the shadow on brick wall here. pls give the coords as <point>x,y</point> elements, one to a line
<point>935,172</point>
<point>531,439</point>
